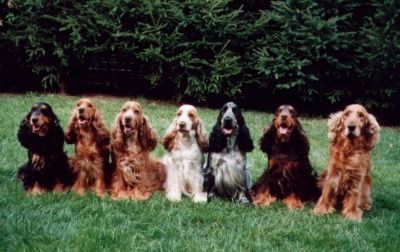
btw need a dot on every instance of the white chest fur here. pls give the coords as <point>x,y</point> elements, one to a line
<point>229,168</point>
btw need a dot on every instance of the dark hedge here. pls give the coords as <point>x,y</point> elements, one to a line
<point>260,53</point>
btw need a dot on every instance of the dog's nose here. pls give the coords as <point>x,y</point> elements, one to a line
<point>284,116</point>
<point>127,119</point>
<point>182,124</point>
<point>351,127</point>
<point>228,119</point>
<point>81,110</point>
<point>34,120</point>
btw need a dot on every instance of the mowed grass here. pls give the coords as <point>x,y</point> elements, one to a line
<point>67,222</point>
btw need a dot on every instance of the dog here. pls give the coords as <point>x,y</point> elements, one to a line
<point>186,142</point>
<point>86,129</point>
<point>136,174</point>
<point>47,168</point>
<point>226,174</point>
<point>289,175</point>
<point>346,183</point>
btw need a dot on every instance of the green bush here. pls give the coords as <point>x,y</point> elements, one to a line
<point>326,52</point>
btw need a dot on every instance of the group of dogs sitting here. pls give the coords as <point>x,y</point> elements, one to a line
<point>134,174</point>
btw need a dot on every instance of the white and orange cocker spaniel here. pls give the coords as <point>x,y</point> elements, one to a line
<point>186,141</point>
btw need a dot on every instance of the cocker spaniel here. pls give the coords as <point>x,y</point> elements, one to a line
<point>186,142</point>
<point>86,129</point>
<point>47,168</point>
<point>289,175</point>
<point>136,174</point>
<point>226,174</point>
<point>346,183</point>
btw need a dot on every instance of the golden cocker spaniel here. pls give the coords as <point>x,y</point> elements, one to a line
<point>136,174</point>
<point>353,133</point>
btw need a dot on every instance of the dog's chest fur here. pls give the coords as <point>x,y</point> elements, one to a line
<point>229,166</point>
<point>188,151</point>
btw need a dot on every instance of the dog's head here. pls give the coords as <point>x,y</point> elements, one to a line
<point>186,118</point>
<point>355,118</point>
<point>130,117</point>
<point>354,121</point>
<point>285,122</point>
<point>41,118</point>
<point>85,112</point>
<point>228,118</point>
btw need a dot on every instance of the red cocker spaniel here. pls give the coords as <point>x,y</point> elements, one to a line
<point>353,133</point>
<point>86,129</point>
<point>136,174</point>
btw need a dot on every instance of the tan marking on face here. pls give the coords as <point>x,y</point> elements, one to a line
<point>186,117</point>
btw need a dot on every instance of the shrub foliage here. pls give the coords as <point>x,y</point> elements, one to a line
<point>322,52</point>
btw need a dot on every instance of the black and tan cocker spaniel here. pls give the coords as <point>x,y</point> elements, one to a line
<point>289,175</point>
<point>226,174</point>
<point>47,168</point>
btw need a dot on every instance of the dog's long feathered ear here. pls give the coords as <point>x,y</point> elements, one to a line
<point>117,134</point>
<point>58,133</point>
<point>217,139</point>
<point>268,138</point>
<point>25,131</point>
<point>147,135</point>
<point>201,135</point>
<point>335,124</point>
<point>56,122</point>
<point>70,131</point>
<point>301,140</point>
<point>103,135</point>
<point>245,142</point>
<point>168,140</point>
<point>372,131</point>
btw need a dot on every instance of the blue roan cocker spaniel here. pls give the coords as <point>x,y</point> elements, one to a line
<point>226,174</point>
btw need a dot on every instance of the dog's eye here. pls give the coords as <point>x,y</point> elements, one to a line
<point>90,105</point>
<point>361,115</point>
<point>136,111</point>
<point>278,111</point>
<point>346,114</point>
<point>292,112</point>
<point>179,114</point>
<point>234,110</point>
<point>191,115</point>
<point>123,110</point>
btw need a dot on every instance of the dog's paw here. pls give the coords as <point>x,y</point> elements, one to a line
<point>242,199</point>
<point>200,197</point>
<point>174,196</point>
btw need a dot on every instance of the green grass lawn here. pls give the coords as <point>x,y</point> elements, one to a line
<point>67,222</point>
